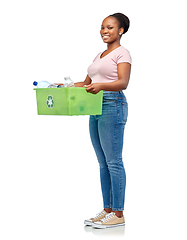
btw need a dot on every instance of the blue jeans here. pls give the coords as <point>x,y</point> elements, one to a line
<point>106,133</point>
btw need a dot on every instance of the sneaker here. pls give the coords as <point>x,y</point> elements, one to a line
<point>110,221</point>
<point>98,217</point>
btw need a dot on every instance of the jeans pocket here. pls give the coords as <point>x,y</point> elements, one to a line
<point>125,111</point>
<point>109,98</point>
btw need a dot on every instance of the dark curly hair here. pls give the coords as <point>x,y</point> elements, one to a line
<point>123,20</point>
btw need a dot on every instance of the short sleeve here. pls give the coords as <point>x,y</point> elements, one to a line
<point>124,56</point>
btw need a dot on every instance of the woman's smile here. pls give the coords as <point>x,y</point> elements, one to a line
<point>104,36</point>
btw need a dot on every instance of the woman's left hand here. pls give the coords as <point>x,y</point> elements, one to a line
<point>93,88</point>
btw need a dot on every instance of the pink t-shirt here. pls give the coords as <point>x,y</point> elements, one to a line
<point>105,69</point>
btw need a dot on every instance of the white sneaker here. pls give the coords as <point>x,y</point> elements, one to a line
<point>98,217</point>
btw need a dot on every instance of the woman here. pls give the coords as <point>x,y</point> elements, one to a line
<point>110,72</point>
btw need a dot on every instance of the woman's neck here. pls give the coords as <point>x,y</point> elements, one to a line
<point>112,46</point>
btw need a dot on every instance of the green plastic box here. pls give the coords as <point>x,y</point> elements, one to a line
<point>68,101</point>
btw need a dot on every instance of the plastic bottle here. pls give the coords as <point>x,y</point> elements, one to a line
<point>68,82</point>
<point>44,84</point>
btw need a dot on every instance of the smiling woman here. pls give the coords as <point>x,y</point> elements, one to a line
<point>112,29</point>
<point>110,72</point>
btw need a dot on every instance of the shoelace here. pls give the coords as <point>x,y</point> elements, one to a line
<point>98,215</point>
<point>108,217</point>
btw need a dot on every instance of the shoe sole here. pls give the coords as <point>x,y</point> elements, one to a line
<point>107,226</point>
<point>87,223</point>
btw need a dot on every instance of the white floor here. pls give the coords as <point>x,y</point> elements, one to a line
<point>43,216</point>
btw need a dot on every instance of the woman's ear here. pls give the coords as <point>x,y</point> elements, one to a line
<point>121,30</point>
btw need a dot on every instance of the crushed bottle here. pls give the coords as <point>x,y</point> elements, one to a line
<point>68,82</point>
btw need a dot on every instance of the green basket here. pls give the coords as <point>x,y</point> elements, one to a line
<point>68,101</point>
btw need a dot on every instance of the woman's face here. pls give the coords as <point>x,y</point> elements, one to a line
<point>110,31</point>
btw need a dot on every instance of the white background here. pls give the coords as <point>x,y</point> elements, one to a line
<point>49,176</point>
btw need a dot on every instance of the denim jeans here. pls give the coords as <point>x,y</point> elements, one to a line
<point>106,133</point>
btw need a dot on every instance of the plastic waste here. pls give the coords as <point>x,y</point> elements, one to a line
<point>68,82</point>
<point>60,86</point>
<point>44,84</point>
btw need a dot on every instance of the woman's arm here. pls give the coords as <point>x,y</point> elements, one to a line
<point>124,70</point>
<point>87,81</point>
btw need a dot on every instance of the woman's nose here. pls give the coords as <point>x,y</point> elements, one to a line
<point>105,30</point>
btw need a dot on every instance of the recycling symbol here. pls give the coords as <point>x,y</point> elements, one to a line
<point>50,101</point>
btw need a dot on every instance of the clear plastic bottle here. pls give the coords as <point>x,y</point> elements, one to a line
<point>44,84</point>
<point>68,82</point>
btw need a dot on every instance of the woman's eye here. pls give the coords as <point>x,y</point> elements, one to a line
<point>110,27</point>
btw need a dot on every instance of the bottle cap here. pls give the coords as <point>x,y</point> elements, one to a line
<point>35,83</point>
